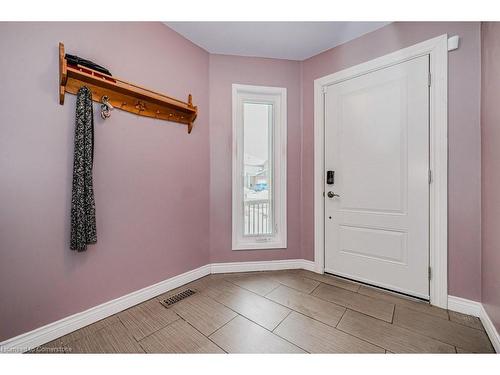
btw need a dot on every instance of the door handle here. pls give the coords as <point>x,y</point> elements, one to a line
<point>331,194</point>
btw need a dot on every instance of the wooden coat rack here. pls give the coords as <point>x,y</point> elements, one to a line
<point>123,95</point>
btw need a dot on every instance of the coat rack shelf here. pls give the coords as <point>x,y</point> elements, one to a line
<point>123,95</point>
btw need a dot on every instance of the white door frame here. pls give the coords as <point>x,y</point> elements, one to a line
<point>437,48</point>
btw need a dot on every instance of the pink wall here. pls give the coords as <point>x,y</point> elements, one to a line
<point>464,136</point>
<point>152,216</point>
<point>224,71</point>
<point>490,137</point>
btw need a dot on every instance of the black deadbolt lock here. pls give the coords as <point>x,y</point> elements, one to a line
<point>330,177</point>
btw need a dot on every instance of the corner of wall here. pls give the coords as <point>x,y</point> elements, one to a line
<point>209,260</point>
<point>301,88</point>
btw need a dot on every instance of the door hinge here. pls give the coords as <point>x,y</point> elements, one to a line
<point>429,79</point>
<point>430,176</point>
<point>325,89</point>
<point>430,273</point>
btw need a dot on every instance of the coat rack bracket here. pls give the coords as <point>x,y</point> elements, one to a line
<point>123,95</point>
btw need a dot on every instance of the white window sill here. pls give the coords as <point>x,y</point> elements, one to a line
<point>260,245</point>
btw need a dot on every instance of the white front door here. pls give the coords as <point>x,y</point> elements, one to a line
<point>377,206</point>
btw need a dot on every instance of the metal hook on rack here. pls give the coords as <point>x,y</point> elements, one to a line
<point>106,107</point>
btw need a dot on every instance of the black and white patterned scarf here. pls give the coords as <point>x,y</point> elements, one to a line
<point>83,224</point>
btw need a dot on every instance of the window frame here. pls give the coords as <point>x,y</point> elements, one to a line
<point>277,97</point>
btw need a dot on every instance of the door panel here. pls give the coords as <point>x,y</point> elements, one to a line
<point>378,244</point>
<point>377,142</point>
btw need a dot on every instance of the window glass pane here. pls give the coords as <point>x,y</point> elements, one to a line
<point>258,162</point>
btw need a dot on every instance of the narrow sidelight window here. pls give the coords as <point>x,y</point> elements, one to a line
<point>259,167</point>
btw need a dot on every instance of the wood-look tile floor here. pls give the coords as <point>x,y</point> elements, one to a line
<point>293,311</point>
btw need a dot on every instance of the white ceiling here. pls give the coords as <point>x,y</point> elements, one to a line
<point>281,40</point>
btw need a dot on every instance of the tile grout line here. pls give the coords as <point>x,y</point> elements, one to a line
<point>337,286</point>
<point>128,333</point>
<point>316,287</point>
<point>350,308</point>
<point>277,281</point>
<point>179,317</point>
<point>338,329</point>
<point>225,324</point>
<point>345,310</point>
<point>67,345</point>
<point>272,332</point>
<point>243,316</point>
<point>200,291</point>
<point>247,318</point>
<point>75,340</point>
<point>299,276</point>
<point>395,325</point>
<point>415,300</point>
<point>208,338</point>
<point>291,287</point>
<point>159,329</point>
<point>334,327</point>
<point>248,290</point>
<point>245,289</point>
<point>435,339</point>
<point>282,320</point>
<point>275,328</point>
<point>359,338</point>
<point>310,317</point>
<point>466,325</point>
<point>265,295</point>
<point>280,284</point>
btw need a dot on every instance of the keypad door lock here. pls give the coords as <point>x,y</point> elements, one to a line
<point>330,177</point>
<point>331,194</point>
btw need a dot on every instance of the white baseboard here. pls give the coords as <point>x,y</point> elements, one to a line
<point>474,308</point>
<point>490,329</point>
<point>309,265</point>
<point>271,265</point>
<point>464,306</point>
<point>49,332</point>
